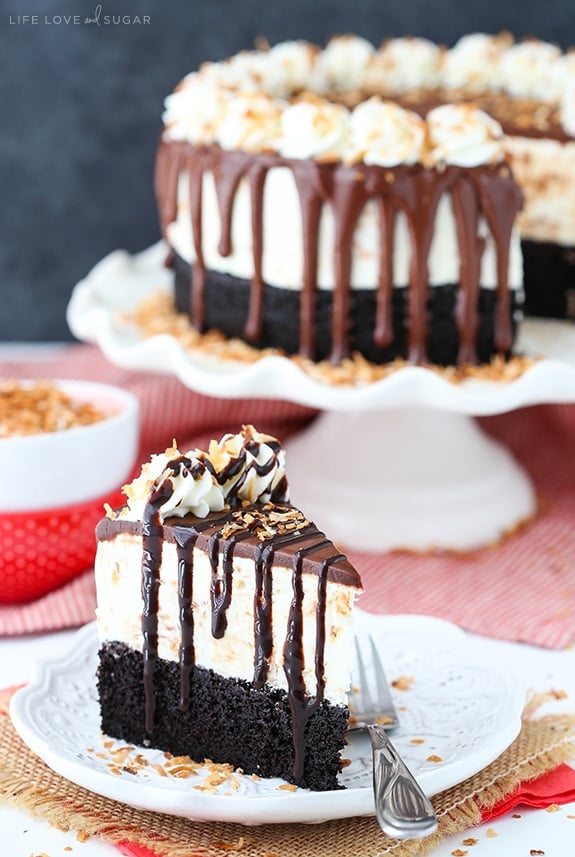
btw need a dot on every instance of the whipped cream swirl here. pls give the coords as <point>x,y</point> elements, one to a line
<point>252,123</point>
<point>192,487</point>
<point>245,71</point>
<point>314,128</point>
<point>341,65</point>
<point>464,136</point>
<point>289,67</point>
<point>196,109</point>
<point>404,64</point>
<point>248,466</point>
<point>525,69</point>
<point>473,63</point>
<point>385,134</point>
<point>559,80</point>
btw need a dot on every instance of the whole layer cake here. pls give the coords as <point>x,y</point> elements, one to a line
<point>307,211</point>
<point>225,616</point>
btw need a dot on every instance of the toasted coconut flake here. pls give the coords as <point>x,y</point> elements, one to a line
<point>42,408</point>
<point>156,315</point>
<point>403,682</point>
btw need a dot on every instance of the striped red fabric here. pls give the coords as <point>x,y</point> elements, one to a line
<point>69,606</point>
<point>522,589</point>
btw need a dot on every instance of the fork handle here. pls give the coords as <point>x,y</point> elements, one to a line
<point>401,807</point>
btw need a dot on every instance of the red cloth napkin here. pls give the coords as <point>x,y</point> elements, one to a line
<point>138,851</point>
<point>522,589</point>
<point>554,788</point>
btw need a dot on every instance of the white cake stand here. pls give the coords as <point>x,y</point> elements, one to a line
<point>398,463</point>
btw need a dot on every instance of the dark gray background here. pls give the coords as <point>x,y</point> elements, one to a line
<point>81,112</point>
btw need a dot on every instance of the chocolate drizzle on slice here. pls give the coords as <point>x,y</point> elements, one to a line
<point>487,192</point>
<point>263,612</point>
<point>302,704</point>
<point>185,553</point>
<point>187,656</point>
<point>263,627</point>
<point>152,540</point>
<point>222,534</point>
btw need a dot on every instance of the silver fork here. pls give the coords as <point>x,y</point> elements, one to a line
<point>402,809</point>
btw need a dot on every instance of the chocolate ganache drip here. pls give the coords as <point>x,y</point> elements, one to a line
<point>187,656</point>
<point>152,540</point>
<point>488,192</point>
<point>185,543</point>
<point>303,706</point>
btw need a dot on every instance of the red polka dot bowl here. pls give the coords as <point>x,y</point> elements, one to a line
<point>53,487</point>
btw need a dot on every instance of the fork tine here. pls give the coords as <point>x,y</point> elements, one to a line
<point>366,704</point>
<point>401,807</point>
<point>383,692</point>
<point>371,700</point>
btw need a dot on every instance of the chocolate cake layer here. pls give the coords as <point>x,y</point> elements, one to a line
<point>549,279</point>
<point>227,306</point>
<point>227,720</point>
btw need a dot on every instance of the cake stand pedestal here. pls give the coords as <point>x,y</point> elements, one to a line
<point>417,478</point>
<point>398,463</point>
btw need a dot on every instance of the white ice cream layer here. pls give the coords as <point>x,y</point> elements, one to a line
<point>120,604</point>
<point>545,170</point>
<point>283,240</point>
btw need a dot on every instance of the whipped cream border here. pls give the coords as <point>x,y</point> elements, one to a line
<point>293,83</point>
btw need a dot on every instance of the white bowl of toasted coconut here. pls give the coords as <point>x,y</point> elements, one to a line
<point>66,448</point>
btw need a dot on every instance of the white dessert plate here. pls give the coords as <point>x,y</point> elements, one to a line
<point>458,713</point>
<point>120,281</point>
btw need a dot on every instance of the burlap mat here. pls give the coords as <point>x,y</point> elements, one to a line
<point>25,781</point>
